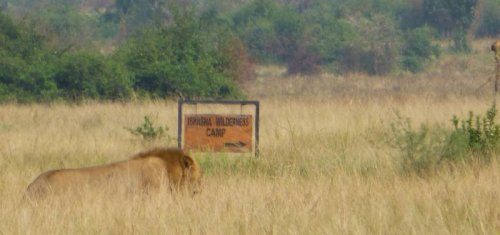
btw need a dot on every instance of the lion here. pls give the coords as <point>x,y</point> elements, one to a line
<point>145,171</point>
<point>495,46</point>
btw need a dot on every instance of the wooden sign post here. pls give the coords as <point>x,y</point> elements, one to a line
<point>219,126</point>
<point>495,47</point>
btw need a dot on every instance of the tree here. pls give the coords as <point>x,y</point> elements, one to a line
<point>254,24</point>
<point>135,14</point>
<point>189,58</point>
<point>60,23</point>
<point>490,19</point>
<point>90,76</point>
<point>25,67</point>
<point>418,48</point>
<point>374,48</point>
<point>452,17</point>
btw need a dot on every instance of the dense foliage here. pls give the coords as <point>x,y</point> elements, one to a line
<point>187,59</point>
<point>184,60</point>
<point>472,140</point>
<point>106,49</point>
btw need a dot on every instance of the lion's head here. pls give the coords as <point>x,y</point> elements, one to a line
<point>496,46</point>
<point>183,171</point>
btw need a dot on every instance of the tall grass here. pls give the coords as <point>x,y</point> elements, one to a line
<point>327,166</point>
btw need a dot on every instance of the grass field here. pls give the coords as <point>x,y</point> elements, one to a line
<point>327,165</point>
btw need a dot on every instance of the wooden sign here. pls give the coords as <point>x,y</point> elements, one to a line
<point>218,133</point>
<point>219,126</point>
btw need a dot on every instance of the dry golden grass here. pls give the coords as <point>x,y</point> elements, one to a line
<point>326,164</point>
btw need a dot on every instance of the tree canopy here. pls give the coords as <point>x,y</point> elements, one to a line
<point>117,49</point>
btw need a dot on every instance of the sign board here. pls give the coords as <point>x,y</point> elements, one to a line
<point>219,126</point>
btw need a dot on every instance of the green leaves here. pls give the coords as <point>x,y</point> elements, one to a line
<point>452,16</point>
<point>418,149</point>
<point>187,59</point>
<point>481,134</point>
<point>418,49</point>
<point>190,59</point>
<point>147,131</point>
<point>89,76</point>
<point>472,140</point>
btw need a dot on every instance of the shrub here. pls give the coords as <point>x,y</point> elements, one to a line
<point>323,39</point>
<point>254,24</point>
<point>420,149</point>
<point>418,49</point>
<point>25,66</point>
<point>90,76</point>
<point>374,48</point>
<point>490,20</point>
<point>148,132</point>
<point>184,59</point>
<point>480,136</point>
<point>60,23</point>
<point>452,17</point>
<point>475,139</point>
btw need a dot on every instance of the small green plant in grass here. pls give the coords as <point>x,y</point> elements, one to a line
<point>419,149</point>
<point>475,139</point>
<point>147,131</point>
<point>479,136</point>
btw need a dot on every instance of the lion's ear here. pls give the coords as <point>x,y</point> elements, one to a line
<point>186,162</point>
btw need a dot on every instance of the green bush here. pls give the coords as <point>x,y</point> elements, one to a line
<point>324,37</point>
<point>452,18</point>
<point>480,136</point>
<point>447,16</point>
<point>254,24</point>
<point>202,50</point>
<point>472,140</point>
<point>184,59</point>
<point>420,149</point>
<point>490,20</point>
<point>344,37</point>
<point>147,131</point>
<point>24,83</point>
<point>418,49</point>
<point>25,66</point>
<point>191,58</point>
<point>374,48</point>
<point>61,23</point>
<point>89,76</point>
